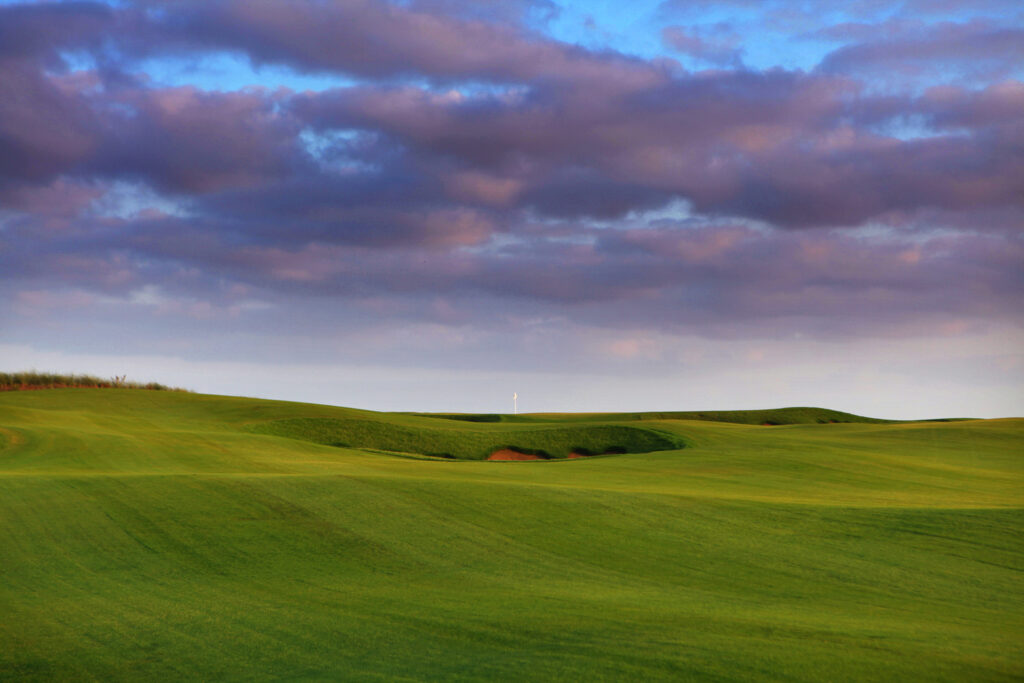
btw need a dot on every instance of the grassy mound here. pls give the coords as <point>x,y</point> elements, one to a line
<point>153,536</point>
<point>773,416</point>
<point>471,444</point>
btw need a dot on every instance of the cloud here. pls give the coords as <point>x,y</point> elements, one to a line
<point>788,148</point>
<point>478,171</point>
<point>719,52</point>
<point>40,31</point>
<point>722,279</point>
<point>43,129</point>
<point>588,135</point>
<point>913,51</point>
<point>186,140</point>
<point>440,40</point>
<point>800,11</point>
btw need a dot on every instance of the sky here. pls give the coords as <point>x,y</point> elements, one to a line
<point>431,204</point>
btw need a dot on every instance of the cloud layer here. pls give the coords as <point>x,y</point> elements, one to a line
<point>470,170</point>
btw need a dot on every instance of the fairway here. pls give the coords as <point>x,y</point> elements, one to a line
<point>172,536</point>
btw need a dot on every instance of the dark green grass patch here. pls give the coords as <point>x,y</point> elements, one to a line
<point>468,443</point>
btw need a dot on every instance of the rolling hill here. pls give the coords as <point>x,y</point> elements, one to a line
<point>169,535</point>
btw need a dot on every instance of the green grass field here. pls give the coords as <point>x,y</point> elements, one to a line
<point>168,536</point>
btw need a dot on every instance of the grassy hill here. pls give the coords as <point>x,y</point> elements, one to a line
<point>168,536</point>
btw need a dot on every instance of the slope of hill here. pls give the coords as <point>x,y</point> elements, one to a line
<point>162,535</point>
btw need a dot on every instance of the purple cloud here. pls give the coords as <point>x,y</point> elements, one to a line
<point>720,52</point>
<point>38,31</point>
<point>598,187</point>
<point>779,147</point>
<point>45,126</point>
<point>961,51</point>
<point>383,40</point>
<point>186,140</point>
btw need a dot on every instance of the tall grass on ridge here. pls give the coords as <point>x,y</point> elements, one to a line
<point>22,381</point>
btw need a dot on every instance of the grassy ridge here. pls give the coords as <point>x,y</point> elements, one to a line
<point>470,444</point>
<point>154,535</point>
<point>773,416</point>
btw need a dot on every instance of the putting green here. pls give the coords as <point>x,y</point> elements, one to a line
<point>169,536</point>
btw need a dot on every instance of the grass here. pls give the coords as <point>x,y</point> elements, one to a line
<point>24,381</point>
<point>167,536</point>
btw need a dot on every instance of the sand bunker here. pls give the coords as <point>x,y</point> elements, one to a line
<point>509,454</point>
